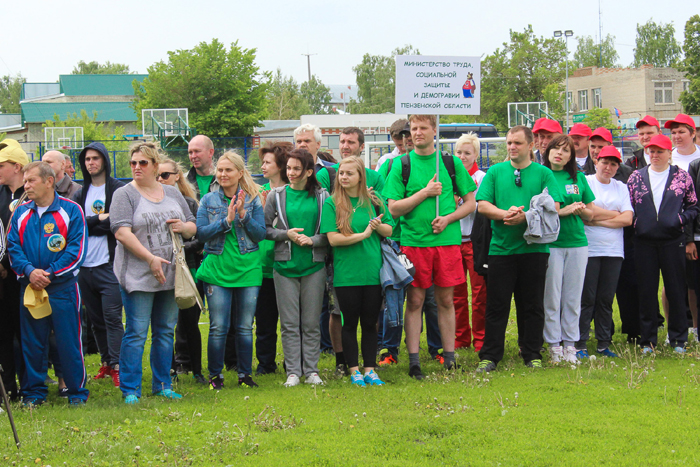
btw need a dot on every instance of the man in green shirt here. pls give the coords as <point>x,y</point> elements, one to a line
<point>201,152</point>
<point>352,143</point>
<point>431,242</point>
<point>515,267</point>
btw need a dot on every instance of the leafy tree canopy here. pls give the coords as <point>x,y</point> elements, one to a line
<point>95,68</point>
<point>656,45</point>
<point>10,92</point>
<point>588,53</point>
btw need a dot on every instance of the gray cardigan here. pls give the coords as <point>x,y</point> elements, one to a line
<point>277,225</point>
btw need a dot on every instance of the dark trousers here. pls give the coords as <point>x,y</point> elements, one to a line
<point>669,257</point>
<point>360,303</point>
<point>266,318</point>
<point>99,289</point>
<point>324,322</point>
<point>628,293</point>
<point>188,327</point>
<point>597,296</point>
<point>10,337</point>
<point>522,276</point>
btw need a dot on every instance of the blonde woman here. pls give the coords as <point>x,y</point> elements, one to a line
<point>355,221</point>
<point>231,223</point>
<point>139,218</point>
<point>171,173</point>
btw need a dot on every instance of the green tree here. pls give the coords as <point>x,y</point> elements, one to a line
<point>10,92</point>
<point>224,90</point>
<point>520,71</point>
<point>111,135</point>
<point>588,53</point>
<point>317,95</point>
<point>599,117</point>
<point>285,101</point>
<point>376,82</point>
<point>95,68</point>
<point>656,45</point>
<point>691,65</point>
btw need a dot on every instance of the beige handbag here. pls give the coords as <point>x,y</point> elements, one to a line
<point>186,293</point>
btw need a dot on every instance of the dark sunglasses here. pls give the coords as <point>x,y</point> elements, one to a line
<point>518,180</point>
<point>142,163</point>
<point>166,175</point>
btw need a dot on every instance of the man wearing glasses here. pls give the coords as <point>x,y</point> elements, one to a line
<point>515,267</point>
<point>99,288</point>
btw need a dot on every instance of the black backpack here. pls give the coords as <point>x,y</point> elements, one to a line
<point>447,159</point>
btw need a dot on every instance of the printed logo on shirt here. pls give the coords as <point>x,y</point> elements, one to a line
<point>56,243</point>
<point>13,205</point>
<point>49,227</point>
<point>572,190</point>
<point>98,207</point>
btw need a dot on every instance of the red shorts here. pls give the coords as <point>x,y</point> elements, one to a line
<point>439,265</point>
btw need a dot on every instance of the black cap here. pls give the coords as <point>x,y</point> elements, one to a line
<point>406,130</point>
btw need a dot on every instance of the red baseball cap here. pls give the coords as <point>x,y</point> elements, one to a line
<point>610,151</point>
<point>648,120</point>
<point>681,118</point>
<point>603,133</point>
<point>537,125</point>
<point>551,126</point>
<point>662,141</point>
<point>580,129</point>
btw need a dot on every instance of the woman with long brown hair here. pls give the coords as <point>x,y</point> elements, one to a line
<point>355,221</point>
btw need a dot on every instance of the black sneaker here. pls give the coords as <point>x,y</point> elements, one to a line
<point>486,366</point>
<point>247,382</point>
<point>199,379</point>
<point>537,364</point>
<point>449,366</point>
<point>341,370</point>
<point>414,372</point>
<point>216,383</point>
<point>63,392</point>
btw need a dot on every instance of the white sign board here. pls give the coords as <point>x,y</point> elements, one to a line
<point>438,85</point>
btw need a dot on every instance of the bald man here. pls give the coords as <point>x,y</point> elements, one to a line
<point>64,185</point>
<point>201,152</point>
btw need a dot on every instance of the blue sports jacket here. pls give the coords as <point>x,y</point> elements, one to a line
<point>56,242</point>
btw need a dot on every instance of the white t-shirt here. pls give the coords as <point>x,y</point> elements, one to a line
<point>646,158</point>
<point>386,157</point>
<point>466,223</point>
<point>604,241</point>
<point>581,161</point>
<point>41,210</point>
<point>658,184</point>
<point>684,161</point>
<point>98,247</point>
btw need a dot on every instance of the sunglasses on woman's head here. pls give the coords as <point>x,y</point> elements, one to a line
<point>166,175</point>
<point>142,163</point>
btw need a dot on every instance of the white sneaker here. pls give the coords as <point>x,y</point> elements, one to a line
<point>570,355</point>
<point>292,380</point>
<point>556,353</point>
<point>313,378</point>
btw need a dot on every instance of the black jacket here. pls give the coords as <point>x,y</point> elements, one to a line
<point>622,174</point>
<point>694,172</point>
<point>637,161</point>
<point>192,178</point>
<point>193,247</point>
<point>95,226</point>
<point>589,167</point>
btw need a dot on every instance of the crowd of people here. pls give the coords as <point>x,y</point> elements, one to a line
<point>562,226</point>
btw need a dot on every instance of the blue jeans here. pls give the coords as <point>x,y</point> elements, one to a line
<point>220,311</point>
<point>141,309</point>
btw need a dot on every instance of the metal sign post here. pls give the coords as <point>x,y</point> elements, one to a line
<point>6,400</point>
<point>438,155</point>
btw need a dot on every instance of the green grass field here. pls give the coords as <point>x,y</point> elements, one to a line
<point>626,411</point>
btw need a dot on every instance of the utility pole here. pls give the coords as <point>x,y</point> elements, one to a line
<point>600,36</point>
<point>308,62</point>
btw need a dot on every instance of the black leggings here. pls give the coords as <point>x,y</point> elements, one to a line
<point>360,303</point>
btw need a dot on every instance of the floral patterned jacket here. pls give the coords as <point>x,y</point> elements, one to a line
<point>678,206</point>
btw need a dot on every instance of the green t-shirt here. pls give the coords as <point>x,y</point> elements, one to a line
<point>416,227</point>
<point>571,231</point>
<point>302,212</point>
<point>203,182</point>
<point>368,252</point>
<point>372,177</point>
<point>267,248</point>
<point>498,188</point>
<point>384,173</point>
<point>231,268</point>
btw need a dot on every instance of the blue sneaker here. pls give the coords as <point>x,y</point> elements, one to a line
<point>168,393</point>
<point>131,399</point>
<point>582,354</point>
<point>32,402</point>
<point>372,379</point>
<point>76,402</point>
<point>679,350</point>
<point>647,350</point>
<point>607,353</point>
<point>357,379</point>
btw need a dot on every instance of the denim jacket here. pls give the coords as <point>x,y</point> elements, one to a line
<point>212,225</point>
<point>395,279</point>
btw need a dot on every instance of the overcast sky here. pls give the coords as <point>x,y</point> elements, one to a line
<point>43,39</point>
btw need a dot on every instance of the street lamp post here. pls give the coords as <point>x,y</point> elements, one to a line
<point>567,33</point>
